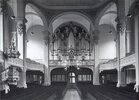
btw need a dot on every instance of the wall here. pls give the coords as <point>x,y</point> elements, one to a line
<point>35,43</point>
<point>107,45</point>
<point>1,32</point>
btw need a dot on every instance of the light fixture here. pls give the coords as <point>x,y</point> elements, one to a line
<point>32,33</point>
<point>110,32</point>
<point>129,15</point>
<point>12,17</point>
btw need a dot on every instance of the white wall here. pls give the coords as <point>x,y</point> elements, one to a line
<point>35,44</point>
<point>107,45</point>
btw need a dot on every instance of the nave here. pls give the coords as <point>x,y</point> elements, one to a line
<point>82,91</point>
<point>72,94</point>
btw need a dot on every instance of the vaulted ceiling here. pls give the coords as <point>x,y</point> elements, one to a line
<point>60,4</point>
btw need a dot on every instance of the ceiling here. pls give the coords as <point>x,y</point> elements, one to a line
<point>62,4</point>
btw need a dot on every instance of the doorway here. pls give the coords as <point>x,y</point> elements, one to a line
<point>72,78</point>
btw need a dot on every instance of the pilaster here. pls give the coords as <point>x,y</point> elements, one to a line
<point>21,40</point>
<point>96,68</point>
<point>47,76</point>
<point>21,36</point>
<point>137,51</point>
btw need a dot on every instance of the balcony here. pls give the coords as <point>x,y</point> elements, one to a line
<point>57,63</point>
<point>109,65</point>
<point>129,60</point>
<point>113,64</point>
<point>30,64</point>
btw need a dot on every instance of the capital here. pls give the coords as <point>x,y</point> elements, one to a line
<point>121,25</point>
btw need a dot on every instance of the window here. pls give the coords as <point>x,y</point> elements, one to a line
<point>72,77</point>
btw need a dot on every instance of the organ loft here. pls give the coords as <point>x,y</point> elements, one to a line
<point>69,49</point>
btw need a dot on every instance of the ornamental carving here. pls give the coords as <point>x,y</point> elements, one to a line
<point>64,31</point>
<point>20,28</point>
<point>121,26</point>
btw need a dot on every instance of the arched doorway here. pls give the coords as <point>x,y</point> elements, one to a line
<point>34,77</point>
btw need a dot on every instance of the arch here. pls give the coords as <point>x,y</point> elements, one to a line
<point>76,23</point>
<point>58,75</point>
<point>85,70</point>
<point>83,15</point>
<point>58,71</point>
<point>133,8</point>
<point>103,12</point>
<point>127,67</point>
<point>41,15</point>
<point>34,76</point>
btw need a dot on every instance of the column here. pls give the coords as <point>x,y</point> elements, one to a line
<point>118,60</point>
<point>120,30</point>
<point>129,36</point>
<point>47,76</point>
<point>96,68</point>
<point>137,51</point>
<point>21,40</point>
<point>21,35</point>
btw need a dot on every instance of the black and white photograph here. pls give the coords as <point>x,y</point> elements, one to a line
<point>69,49</point>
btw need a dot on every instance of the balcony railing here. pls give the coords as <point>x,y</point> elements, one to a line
<point>113,64</point>
<point>30,64</point>
<point>53,63</point>
<point>127,60</point>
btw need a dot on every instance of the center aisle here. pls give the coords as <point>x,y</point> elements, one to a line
<point>72,94</point>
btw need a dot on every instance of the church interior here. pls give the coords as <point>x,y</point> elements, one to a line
<point>69,49</point>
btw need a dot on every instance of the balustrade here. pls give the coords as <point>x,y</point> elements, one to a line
<point>127,60</point>
<point>32,65</point>
<point>65,63</point>
<point>112,64</point>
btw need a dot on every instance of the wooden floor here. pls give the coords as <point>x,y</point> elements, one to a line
<point>72,94</point>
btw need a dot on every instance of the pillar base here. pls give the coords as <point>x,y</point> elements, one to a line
<point>96,83</point>
<point>46,84</point>
<point>136,87</point>
<point>120,85</point>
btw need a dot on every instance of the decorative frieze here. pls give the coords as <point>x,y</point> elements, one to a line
<point>54,63</point>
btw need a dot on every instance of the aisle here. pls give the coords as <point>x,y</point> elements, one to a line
<point>72,94</point>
